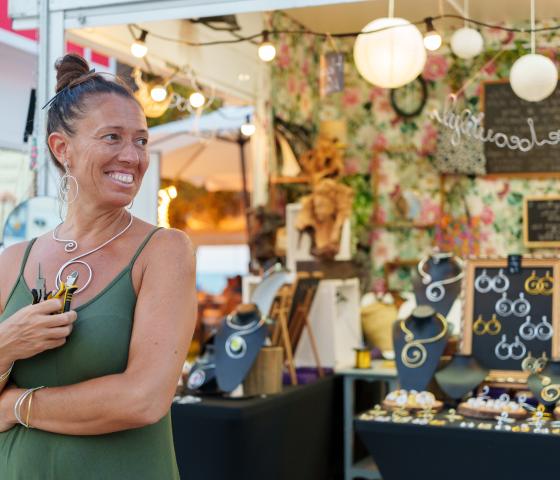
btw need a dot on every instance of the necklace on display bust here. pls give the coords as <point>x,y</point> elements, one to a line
<point>72,245</point>
<point>435,291</point>
<point>419,356</point>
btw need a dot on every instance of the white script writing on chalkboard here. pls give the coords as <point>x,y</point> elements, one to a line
<point>469,123</point>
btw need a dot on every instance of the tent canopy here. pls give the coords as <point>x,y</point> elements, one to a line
<point>203,150</point>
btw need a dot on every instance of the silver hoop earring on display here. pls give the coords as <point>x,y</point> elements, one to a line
<point>521,306</point>
<point>504,306</point>
<point>502,345</point>
<point>500,278</point>
<point>527,330</point>
<point>483,282</point>
<point>544,330</point>
<point>519,344</point>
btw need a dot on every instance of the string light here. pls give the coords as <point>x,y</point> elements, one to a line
<point>248,128</point>
<point>432,39</point>
<point>158,93</point>
<point>138,47</point>
<point>197,99</point>
<point>267,51</point>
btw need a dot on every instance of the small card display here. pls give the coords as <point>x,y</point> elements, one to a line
<point>509,316</point>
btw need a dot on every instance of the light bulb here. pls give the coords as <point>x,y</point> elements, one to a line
<point>267,51</point>
<point>248,129</point>
<point>158,93</point>
<point>138,47</point>
<point>432,39</point>
<point>172,191</point>
<point>197,99</point>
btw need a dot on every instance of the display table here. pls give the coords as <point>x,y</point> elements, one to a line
<point>379,372</point>
<point>444,452</point>
<point>288,436</point>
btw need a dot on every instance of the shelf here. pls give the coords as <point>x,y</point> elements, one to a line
<point>365,468</point>
<point>288,180</point>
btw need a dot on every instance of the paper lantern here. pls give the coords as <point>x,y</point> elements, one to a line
<point>466,43</point>
<point>533,77</point>
<point>390,58</point>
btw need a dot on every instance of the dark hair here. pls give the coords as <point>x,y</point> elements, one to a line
<point>74,83</point>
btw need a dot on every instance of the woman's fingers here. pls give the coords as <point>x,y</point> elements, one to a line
<point>59,319</point>
<point>48,306</point>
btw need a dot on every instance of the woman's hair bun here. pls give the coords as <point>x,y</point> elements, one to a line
<point>69,68</point>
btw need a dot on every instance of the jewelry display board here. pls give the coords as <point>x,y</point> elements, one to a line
<point>508,316</point>
<point>541,221</point>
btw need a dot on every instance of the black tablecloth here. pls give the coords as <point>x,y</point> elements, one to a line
<point>289,436</point>
<point>408,451</point>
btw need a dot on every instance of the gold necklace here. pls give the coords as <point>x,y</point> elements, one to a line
<point>418,357</point>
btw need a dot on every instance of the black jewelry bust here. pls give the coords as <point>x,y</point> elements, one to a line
<point>237,345</point>
<point>428,287</point>
<point>548,379</point>
<point>419,342</point>
<point>461,376</point>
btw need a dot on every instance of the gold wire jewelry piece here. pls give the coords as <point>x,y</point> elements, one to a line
<point>528,363</point>
<point>546,284</point>
<point>551,393</point>
<point>491,327</point>
<point>419,356</point>
<point>438,422</point>
<point>532,284</point>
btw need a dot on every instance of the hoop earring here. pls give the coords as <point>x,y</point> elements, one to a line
<point>493,326</point>
<point>129,206</point>
<point>528,363</point>
<point>540,363</point>
<point>532,284</point>
<point>521,306</point>
<point>527,330</point>
<point>544,330</point>
<point>547,284</point>
<point>64,187</point>
<point>517,343</point>
<point>483,282</point>
<point>504,306</point>
<point>502,345</point>
<point>500,278</point>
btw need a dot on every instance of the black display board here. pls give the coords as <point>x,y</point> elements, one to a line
<point>505,112</point>
<point>482,346</point>
<point>541,221</point>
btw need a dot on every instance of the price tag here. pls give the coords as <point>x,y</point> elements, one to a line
<point>514,264</point>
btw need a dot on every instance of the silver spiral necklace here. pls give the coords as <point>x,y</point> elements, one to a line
<point>435,290</point>
<point>72,245</point>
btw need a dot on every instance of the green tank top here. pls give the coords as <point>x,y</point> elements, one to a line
<point>97,346</point>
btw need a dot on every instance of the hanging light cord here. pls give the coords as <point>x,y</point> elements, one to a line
<point>249,38</point>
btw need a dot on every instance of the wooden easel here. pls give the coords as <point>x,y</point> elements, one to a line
<point>280,312</point>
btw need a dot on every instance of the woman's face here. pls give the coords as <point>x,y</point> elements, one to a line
<point>108,153</point>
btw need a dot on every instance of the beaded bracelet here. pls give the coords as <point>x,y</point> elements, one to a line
<point>19,403</point>
<point>6,374</point>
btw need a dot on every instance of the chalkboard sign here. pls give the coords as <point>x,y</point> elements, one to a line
<point>507,113</point>
<point>506,316</point>
<point>541,221</point>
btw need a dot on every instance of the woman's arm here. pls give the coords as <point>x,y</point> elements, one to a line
<point>164,322</point>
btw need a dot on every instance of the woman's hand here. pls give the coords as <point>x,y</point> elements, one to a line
<point>8,399</point>
<point>34,329</point>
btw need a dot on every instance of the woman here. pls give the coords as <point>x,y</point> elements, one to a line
<point>110,366</point>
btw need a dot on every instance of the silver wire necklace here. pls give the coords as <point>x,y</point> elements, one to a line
<point>72,245</point>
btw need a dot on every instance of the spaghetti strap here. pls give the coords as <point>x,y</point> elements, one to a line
<point>142,245</point>
<point>25,256</point>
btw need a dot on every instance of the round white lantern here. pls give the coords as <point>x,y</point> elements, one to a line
<point>533,77</point>
<point>390,58</point>
<point>466,43</point>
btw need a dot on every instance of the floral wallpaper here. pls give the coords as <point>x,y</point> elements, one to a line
<point>414,208</point>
